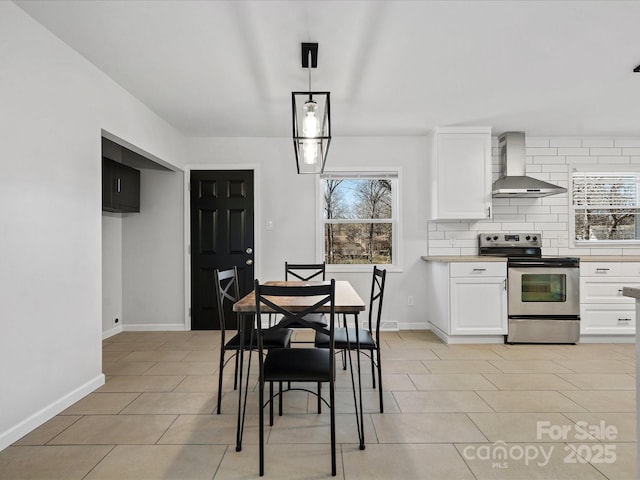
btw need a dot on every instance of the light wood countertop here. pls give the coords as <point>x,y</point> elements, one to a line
<point>464,258</point>
<point>483,258</point>
<point>631,292</point>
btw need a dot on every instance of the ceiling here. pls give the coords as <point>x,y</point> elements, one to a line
<point>227,68</point>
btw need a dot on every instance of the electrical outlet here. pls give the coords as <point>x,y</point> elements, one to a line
<point>410,301</point>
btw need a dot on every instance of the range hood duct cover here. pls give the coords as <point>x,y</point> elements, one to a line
<point>513,183</point>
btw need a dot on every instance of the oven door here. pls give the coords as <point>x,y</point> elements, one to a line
<point>544,291</point>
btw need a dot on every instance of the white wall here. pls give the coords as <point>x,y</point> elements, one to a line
<point>152,255</point>
<point>288,199</point>
<point>54,105</point>
<point>549,159</point>
<point>111,273</point>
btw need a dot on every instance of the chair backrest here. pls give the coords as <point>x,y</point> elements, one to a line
<point>227,292</point>
<point>304,271</point>
<point>375,302</point>
<point>294,303</point>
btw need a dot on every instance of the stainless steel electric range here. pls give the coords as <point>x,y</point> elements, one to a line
<point>543,292</point>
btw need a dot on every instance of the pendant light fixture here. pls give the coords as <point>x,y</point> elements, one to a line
<point>311,120</point>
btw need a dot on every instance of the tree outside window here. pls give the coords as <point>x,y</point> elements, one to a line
<point>358,219</point>
<point>606,206</point>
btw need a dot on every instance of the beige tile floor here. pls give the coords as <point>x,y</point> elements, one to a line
<point>451,412</point>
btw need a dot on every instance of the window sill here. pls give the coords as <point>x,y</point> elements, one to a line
<point>606,243</point>
<point>360,268</point>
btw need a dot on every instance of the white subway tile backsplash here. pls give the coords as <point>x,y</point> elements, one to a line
<point>504,209</point>
<point>598,142</point>
<point>551,159</point>
<point>507,218</point>
<point>541,209</point>
<point>517,227</point>
<point>599,151</point>
<point>604,160</point>
<point>631,151</point>
<point>539,152</point>
<point>627,142</point>
<point>582,160</point>
<point>444,251</point>
<point>541,218</point>
<point>443,226</point>
<point>536,142</point>
<point>565,142</point>
<point>558,209</point>
<point>573,151</point>
<point>551,226</point>
<point>555,200</point>
<point>560,167</point>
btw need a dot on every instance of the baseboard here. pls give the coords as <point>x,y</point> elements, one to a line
<point>47,413</point>
<point>154,327</point>
<point>111,332</point>
<point>413,326</point>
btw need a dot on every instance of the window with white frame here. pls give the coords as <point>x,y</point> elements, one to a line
<point>359,218</point>
<point>605,206</point>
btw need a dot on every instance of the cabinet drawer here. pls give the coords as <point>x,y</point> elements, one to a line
<point>609,269</point>
<point>607,319</point>
<point>606,289</point>
<point>478,269</point>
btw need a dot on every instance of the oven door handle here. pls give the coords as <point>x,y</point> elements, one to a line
<point>542,263</point>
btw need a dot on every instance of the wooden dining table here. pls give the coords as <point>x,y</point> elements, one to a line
<point>347,302</point>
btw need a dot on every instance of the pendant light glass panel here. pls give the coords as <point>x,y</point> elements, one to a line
<point>311,130</point>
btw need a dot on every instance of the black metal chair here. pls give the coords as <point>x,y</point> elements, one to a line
<point>300,365</point>
<point>227,293</point>
<point>306,272</point>
<point>369,344</point>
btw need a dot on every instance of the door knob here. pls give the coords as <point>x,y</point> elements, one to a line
<point>249,250</point>
<point>249,262</point>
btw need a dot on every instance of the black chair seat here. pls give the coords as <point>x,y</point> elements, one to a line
<point>315,318</point>
<point>341,342</point>
<point>297,365</point>
<point>280,338</point>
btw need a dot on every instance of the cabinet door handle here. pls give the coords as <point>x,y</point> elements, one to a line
<point>118,185</point>
<point>602,269</point>
<point>505,284</point>
<point>624,319</point>
<point>488,212</point>
<point>479,269</point>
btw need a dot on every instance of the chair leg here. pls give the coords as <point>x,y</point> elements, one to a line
<point>271,404</point>
<point>379,362</point>
<point>319,397</point>
<point>373,368</point>
<point>235,372</point>
<point>261,428</point>
<point>220,379</point>
<point>332,412</point>
<point>280,400</point>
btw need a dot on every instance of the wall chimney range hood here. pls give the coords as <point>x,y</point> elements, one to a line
<point>513,183</point>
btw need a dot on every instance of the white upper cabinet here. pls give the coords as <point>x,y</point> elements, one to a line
<point>460,173</point>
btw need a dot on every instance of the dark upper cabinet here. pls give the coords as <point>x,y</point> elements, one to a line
<point>120,187</point>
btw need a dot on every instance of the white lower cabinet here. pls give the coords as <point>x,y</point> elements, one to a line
<point>603,308</point>
<point>478,306</point>
<point>469,301</point>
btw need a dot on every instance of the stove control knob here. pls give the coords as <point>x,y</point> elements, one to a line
<point>488,239</point>
<point>495,237</point>
<point>535,239</point>
<point>528,237</point>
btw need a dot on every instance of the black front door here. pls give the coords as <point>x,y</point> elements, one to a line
<point>221,237</point>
